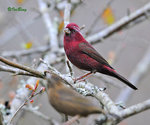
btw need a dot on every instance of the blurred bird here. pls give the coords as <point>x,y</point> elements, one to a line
<point>85,57</point>
<point>66,100</point>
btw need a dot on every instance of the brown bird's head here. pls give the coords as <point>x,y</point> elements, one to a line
<point>54,81</point>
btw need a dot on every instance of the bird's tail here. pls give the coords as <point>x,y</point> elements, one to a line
<point>121,78</point>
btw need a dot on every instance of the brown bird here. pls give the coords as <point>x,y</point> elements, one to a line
<point>66,100</point>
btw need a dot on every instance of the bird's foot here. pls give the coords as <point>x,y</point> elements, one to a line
<point>81,80</point>
<point>82,77</point>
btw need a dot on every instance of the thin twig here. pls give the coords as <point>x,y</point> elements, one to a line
<point>19,66</point>
<point>107,102</point>
<point>19,53</point>
<point>15,71</point>
<point>135,109</point>
<point>67,14</point>
<point>48,58</point>
<point>97,18</point>
<point>51,28</point>
<point>122,23</point>
<point>24,103</point>
<point>70,68</point>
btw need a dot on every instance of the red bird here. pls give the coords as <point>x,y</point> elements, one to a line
<point>85,57</point>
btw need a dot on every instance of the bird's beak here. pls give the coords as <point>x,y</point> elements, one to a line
<point>67,31</point>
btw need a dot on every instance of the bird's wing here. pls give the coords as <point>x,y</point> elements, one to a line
<point>72,97</point>
<point>87,49</point>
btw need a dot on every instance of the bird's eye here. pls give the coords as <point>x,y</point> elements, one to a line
<point>72,30</point>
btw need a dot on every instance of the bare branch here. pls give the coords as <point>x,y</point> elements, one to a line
<point>15,71</point>
<point>135,109</point>
<point>52,30</point>
<point>70,68</point>
<point>19,66</point>
<point>67,14</point>
<point>103,98</point>
<point>122,23</point>
<point>58,60</point>
<point>23,104</point>
<point>19,53</point>
<point>107,102</point>
<point>12,31</point>
<point>97,18</point>
<point>21,96</point>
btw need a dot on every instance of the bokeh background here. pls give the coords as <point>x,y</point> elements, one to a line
<point>26,30</point>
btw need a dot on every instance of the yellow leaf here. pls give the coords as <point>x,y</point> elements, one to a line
<point>20,1</point>
<point>28,45</point>
<point>108,16</point>
<point>61,26</point>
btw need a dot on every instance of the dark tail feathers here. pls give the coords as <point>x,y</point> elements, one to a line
<point>121,78</point>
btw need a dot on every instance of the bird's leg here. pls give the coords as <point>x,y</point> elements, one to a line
<point>86,75</point>
<point>72,120</point>
<point>64,117</point>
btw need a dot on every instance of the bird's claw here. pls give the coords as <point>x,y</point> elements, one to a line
<point>79,80</point>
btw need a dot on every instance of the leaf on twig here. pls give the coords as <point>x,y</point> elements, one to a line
<point>30,86</point>
<point>37,84</point>
<point>108,16</point>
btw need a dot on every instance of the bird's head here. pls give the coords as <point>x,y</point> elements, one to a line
<point>54,81</point>
<point>71,28</point>
<point>73,34</point>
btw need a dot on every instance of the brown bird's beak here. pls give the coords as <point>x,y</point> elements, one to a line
<point>67,31</point>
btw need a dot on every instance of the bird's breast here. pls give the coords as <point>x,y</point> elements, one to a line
<point>79,59</point>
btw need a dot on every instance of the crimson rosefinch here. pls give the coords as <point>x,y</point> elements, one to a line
<point>85,57</point>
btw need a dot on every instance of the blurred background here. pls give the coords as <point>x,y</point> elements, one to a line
<point>26,30</point>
